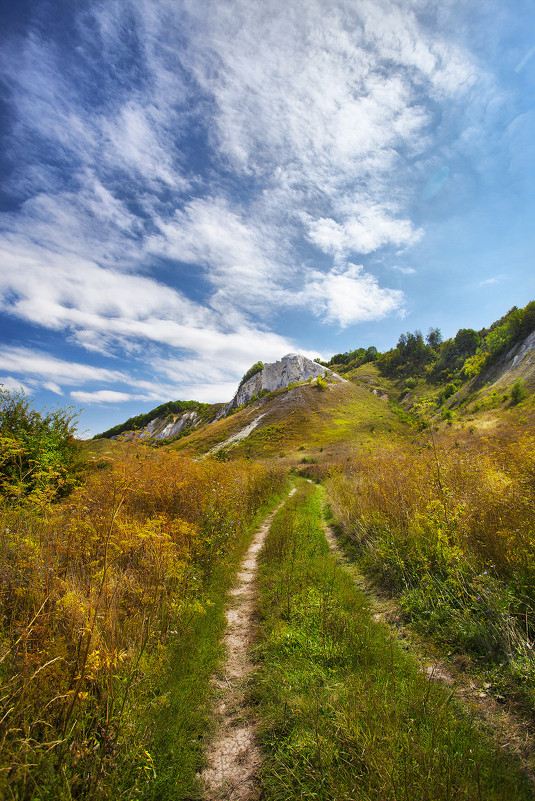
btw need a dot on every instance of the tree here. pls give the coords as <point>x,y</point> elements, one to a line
<point>528,320</point>
<point>371,354</point>
<point>466,341</point>
<point>434,338</point>
<point>519,391</point>
<point>256,368</point>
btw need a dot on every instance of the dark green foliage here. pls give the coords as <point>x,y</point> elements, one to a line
<point>434,338</point>
<point>466,341</point>
<point>371,354</point>
<point>38,451</point>
<point>518,391</point>
<point>353,358</point>
<point>438,360</point>
<point>256,368</point>
<point>171,407</point>
<point>409,357</point>
<point>528,320</point>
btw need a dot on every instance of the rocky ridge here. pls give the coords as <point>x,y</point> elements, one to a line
<point>164,427</point>
<point>291,369</point>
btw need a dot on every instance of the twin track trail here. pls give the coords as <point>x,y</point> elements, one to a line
<point>233,756</point>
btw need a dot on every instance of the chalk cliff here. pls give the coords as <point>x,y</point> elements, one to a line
<point>291,369</point>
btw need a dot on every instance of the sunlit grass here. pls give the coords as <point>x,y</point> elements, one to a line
<point>447,525</point>
<point>111,616</point>
<point>344,713</point>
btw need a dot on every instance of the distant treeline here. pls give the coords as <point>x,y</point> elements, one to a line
<point>461,357</point>
<point>141,420</point>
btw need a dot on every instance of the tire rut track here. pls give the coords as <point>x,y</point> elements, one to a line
<point>233,756</point>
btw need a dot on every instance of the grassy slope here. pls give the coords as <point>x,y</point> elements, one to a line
<point>482,404</point>
<point>345,714</point>
<point>300,421</point>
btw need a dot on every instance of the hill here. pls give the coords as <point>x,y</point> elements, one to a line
<point>300,411</point>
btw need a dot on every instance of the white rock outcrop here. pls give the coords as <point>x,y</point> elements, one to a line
<point>162,427</point>
<point>291,369</point>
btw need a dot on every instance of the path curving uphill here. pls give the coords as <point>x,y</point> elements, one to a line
<point>233,756</point>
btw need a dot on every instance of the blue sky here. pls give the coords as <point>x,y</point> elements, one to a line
<point>190,186</point>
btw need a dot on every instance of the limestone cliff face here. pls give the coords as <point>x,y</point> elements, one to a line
<point>519,362</point>
<point>162,427</point>
<point>291,369</point>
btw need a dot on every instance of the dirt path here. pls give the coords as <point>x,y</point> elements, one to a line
<point>233,756</point>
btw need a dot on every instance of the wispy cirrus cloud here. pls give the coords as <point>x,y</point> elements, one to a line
<point>185,172</point>
<point>495,279</point>
<point>41,365</point>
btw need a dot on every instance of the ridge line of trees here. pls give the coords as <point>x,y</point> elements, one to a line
<point>164,410</point>
<point>463,356</point>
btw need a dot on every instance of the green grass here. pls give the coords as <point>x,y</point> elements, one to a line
<point>180,709</point>
<point>344,712</point>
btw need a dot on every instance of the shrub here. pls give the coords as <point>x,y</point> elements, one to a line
<point>40,456</point>
<point>449,390</point>
<point>519,391</point>
<point>474,364</point>
<point>100,597</point>
<point>410,383</point>
<point>256,368</point>
<point>450,531</point>
<point>321,383</point>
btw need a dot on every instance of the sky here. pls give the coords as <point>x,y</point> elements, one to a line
<point>190,186</point>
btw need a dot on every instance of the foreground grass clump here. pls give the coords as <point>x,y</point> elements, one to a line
<point>449,528</point>
<point>344,713</point>
<point>112,609</point>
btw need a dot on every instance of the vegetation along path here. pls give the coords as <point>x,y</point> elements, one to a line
<point>343,712</point>
<point>233,756</point>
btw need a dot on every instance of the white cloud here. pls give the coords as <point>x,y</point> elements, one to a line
<point>320,89</point>
<point>404,270</point>
<point>350,296</point>
<point>363,234</point>
<point>495,279</point>
<point>133,142</point>
<point>104,396</point>
<point>523,61</point>
<point>234,253</point>
<point>14,385</point>
<point>53,387</point>
<point>36,364</point>
<point>322,107</point>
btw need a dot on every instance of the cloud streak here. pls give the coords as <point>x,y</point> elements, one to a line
<point>216,166</point>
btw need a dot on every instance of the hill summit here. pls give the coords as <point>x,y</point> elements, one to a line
<point>263,378</point>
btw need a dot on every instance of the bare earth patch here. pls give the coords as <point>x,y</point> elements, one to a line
<point>233,755</point>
